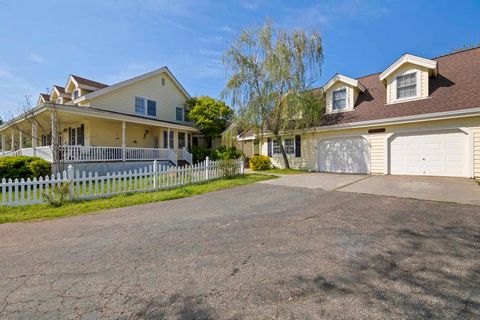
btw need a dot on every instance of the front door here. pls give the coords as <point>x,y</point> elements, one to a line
<point>156,143</point>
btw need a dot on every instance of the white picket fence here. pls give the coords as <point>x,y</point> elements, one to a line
<point>83,186</point>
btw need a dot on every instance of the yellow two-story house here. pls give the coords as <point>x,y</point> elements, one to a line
<point>101,127</point>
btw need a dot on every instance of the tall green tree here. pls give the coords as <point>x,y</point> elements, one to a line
<point>271,73</point>
<point>210,115</point>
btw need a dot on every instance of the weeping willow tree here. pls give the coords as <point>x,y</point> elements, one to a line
<point>271,72</point>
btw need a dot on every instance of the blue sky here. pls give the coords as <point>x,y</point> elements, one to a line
<point>112,40</point>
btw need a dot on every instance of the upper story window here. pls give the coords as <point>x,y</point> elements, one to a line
<point>151,108</point>
<point>339,99</point>
<point>179,114</point>
<point>59,100</point>
<point>407,85</point>
<point>139,105</point>
<point>76,93</point>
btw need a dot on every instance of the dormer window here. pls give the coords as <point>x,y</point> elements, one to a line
<point>76,93</point>
<point>407,86</point>
<point>339,99</point>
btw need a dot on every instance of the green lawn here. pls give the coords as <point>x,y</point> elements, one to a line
<point>43,211</point>
<point>284,171</point>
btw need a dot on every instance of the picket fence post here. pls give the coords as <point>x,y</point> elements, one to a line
<point>155,182</point>
<point>70,177</point>
<point>207,164</point>
<point>242,166</point>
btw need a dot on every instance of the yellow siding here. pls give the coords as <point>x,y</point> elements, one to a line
<point>378,146</point>
<point>476,152</point>
<point>377,153</point>
<point>167,96</point>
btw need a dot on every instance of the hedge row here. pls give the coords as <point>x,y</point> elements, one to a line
<point>23,167</point>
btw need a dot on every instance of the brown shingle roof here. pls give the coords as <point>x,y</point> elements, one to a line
<point>457,86</point>
<point>59,88</point>
<point>45,96</point>
<point>90,83</point>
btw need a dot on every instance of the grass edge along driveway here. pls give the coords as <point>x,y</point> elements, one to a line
<point>44,211</point>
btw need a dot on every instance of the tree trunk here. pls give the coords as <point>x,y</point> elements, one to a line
<point>282,149</point>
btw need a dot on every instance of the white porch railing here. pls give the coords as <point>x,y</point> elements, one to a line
<point>69,154</point>
<point>187,156</point>
<point>93,154</point>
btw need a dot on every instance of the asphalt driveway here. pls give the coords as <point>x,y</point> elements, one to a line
<point>257,251</point>
<point>458,190</point>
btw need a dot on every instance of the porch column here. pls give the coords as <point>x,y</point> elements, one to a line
<point>168,138</point>
<point>20,141</point>
<point>34,139</point>
<point>124,144</point>
<point>54,130</point>
<point>3,144</point>
<point>13,141</point>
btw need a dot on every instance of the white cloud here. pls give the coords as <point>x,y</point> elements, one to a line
<point>226,28</point>
<point>209,52</point>
<point>249,4</point>
<point>13,89</point>
<point>34,57</point>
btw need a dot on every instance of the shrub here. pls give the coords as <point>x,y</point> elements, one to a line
<point>58,195</point>
<point>226,153</point>
<point>40,168</point>
<point>21,167</point>
<point>229,167</point>
<point>260,163</point>
<point>200,153</point>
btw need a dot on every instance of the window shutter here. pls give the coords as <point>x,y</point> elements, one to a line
<point>270,147</point>
<point>81,135</point>
<point>298,146</point>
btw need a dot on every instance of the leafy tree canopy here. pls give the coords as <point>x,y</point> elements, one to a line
<point>271,73</point>
<point>210,115</point>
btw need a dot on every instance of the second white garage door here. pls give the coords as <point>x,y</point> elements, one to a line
<point>344,155</point>
<point>433,154</point>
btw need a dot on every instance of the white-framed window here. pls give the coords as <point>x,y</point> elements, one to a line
<point>407,85</point>
<point>139,105</point>
<point>59,100</point>
<point>288,145</point>
<point>339,99</point>
<point>179,114</point>
<point>76,93</point>
<point>152,108</point>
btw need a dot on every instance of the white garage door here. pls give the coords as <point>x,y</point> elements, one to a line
<point>434,154</point>
<point>344,155</point>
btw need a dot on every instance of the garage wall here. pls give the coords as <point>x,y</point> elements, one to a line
<point>476,152</point>
<point>377,143</point>
<point>377,153</point>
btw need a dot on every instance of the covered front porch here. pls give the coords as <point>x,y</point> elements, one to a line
<point>85,137</point>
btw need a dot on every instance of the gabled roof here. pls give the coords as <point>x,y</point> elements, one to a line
<point>59,89</point>
<point>409,58</point>
<point>454,88</point>
<point>133,80</point>
<point>344,79</point>
<point>45,97</point>
<point>88,82</point>
<point>84,83</point>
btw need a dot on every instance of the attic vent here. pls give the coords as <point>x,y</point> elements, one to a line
<point>163,81</point>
